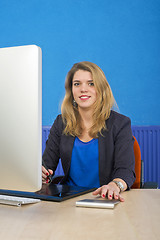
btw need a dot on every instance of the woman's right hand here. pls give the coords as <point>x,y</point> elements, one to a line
<point>45,174</point>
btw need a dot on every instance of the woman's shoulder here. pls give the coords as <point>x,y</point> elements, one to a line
<point>118,116</point>
<point>59,118</point>
<point>117,120</point>
<point>58,123</point>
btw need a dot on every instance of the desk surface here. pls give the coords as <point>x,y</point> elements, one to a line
<point>137,218</point>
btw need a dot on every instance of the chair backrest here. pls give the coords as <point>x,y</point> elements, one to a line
<point>137,154</point>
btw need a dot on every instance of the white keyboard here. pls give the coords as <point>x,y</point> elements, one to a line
<point>17,201</point>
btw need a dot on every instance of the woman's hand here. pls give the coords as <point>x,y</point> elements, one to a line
<point>111,190</point>
<point>45,174</point>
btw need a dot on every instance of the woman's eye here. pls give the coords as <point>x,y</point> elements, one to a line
<point>91,84</point>
<point>76,84</point>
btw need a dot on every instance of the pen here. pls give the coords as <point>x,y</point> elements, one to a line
<point>49,176</point>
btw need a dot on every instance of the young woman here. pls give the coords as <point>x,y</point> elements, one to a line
<point>95,143</point>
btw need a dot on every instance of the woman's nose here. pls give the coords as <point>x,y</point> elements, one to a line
<point>84,88</point>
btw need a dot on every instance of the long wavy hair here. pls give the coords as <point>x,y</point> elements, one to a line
<point>102,106</point>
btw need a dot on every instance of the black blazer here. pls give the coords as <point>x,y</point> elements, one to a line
<point>116,154</point>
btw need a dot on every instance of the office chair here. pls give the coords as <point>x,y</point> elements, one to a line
<point>138,165</point>
<point>139,170</point>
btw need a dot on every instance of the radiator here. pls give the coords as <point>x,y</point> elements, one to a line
<point>148,138</point>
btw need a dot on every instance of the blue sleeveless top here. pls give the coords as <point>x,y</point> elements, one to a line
<point>84,169</point>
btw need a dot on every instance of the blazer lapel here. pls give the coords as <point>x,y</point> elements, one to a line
<point>105,157</point>
<point>66,151</point>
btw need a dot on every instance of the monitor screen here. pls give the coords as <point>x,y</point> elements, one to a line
<point>21,118</point>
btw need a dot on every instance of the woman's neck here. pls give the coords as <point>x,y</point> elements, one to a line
<point>86,123</point>
<point>86,117</point>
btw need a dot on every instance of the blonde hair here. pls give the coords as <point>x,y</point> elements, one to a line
<point>102,106</point>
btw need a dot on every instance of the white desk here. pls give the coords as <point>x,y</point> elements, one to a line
<point>138,218</point>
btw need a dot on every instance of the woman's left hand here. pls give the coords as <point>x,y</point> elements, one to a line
<point>110,190</point>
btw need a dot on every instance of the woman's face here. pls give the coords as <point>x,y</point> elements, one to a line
<point>83,89</point>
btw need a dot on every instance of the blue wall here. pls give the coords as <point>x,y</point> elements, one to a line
<point>122,37</point>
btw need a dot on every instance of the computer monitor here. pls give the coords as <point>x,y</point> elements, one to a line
<point>21,118</point>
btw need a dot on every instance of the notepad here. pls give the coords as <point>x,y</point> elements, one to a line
<point>95,203</point>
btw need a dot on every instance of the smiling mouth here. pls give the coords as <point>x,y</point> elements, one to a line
<point>84,97</point>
